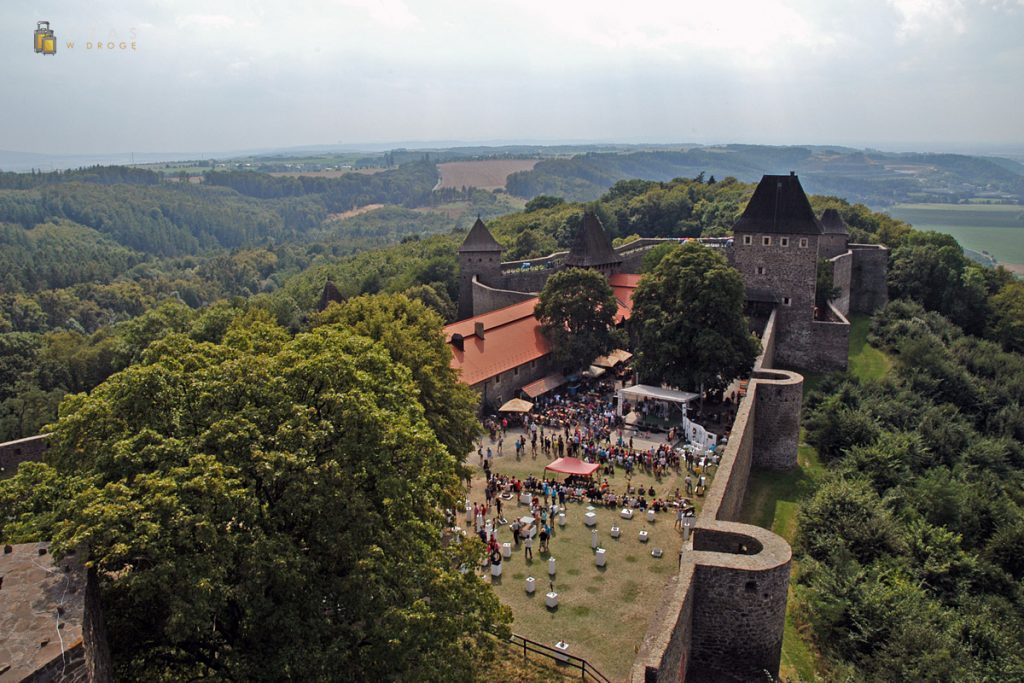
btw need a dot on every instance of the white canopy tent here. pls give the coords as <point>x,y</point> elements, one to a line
<point>640,392</point>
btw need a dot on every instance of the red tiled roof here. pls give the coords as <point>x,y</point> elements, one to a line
<point>512,336</point>
<point>623,285</point>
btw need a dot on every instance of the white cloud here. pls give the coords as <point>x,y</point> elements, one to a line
<point>919,16</point>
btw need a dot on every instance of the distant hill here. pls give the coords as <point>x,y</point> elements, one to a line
<point>867,176</point>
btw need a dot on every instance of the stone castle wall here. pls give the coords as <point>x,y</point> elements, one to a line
<point>13,453</point>
<point>490,298</point>
<point>842,273</point>
<point>524,280</point>
<point>722,616</point>
<point>868,289</point>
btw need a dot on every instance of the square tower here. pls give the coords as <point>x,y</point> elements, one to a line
<point>775,248</point>
<point>479,256</point>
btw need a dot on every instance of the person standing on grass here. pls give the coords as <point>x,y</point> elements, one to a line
<point>528,547</point>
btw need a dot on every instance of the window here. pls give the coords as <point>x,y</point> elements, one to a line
<point>533,365</point>
<point>497,379</point>
<point>760,270</point>
<point>766,241</point>
<point>786,301</point>
<point>497,400</point>
<point>803,242</point>
<point>748,240</point>
<point>515,371</point>
<point>783,241</point>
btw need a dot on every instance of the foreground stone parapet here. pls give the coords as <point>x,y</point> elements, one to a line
<point>722,617</point>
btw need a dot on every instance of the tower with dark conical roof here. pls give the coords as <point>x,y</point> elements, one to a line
<point>479,257</point>
<point>591,248</point>
<point>835,235</point>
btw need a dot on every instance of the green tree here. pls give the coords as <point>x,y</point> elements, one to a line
<point>689,323</point>
<point>271,508</point>
<point>411,333</point>
<point>1007,324</point>
<point>577,315</point>
<point>543,201</point>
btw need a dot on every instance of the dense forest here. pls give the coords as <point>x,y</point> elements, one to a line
<point>870,177</point>
<point>90,258</point>
<point>909,549</point>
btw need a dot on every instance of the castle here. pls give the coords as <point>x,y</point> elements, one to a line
<point>722,616</point>
<point>777,246</point>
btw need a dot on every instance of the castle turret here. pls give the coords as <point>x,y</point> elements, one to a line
<point>480,257</point>
<point>591,248</point>
<point>835,235</point>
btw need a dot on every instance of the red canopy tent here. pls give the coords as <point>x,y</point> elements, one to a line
<point>573,466</point>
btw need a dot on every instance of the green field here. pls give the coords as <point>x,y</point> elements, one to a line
<point>997,229</point>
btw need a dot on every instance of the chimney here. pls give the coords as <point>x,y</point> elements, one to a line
<point>458,342</point>
<point>478,330</point>
<point>792,174</point>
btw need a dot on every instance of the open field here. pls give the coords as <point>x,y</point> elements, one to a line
<point>602,612</point>
<point>995,229</point>
<point>487,174</point>
<point>354,212</point>
<point>327,174</point>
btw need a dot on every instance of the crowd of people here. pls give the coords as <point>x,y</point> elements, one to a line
<point>587,426</point>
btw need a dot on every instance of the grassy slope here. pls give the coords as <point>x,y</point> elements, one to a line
<point>773,501</point>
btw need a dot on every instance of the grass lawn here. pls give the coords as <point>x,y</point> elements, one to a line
<point>602,612</point>
<point>866,362</point>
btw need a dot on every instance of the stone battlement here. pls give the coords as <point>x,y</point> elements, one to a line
<point>722,616</point>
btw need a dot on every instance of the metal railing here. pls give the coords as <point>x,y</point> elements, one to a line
<point>586,668</point>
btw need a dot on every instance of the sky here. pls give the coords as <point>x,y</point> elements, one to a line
<point>211,76</point>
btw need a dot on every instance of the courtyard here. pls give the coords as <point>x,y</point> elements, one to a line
<point>602,612</point>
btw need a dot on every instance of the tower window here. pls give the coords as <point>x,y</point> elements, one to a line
<point>786,301</point>
<point>766,241</point>
<point>748,240</point>
<point>803,242</point>
<point>497,379</point>
<point>760,270</point>
<point>783,241</point>
<point>515,371</point>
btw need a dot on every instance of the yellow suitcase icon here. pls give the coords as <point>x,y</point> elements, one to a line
<point>45,40</point>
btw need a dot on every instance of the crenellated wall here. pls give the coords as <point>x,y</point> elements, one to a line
<point>722,617</point>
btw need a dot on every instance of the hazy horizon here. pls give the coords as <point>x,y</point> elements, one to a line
<point>895,75</point>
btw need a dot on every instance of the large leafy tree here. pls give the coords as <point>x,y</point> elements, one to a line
<point>410,331</point>
<point>268,508</point>
<point>689,323</point>
<point>577,315</point>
